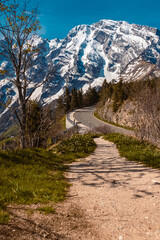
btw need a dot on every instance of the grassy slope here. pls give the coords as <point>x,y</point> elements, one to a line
<point>12,130</point>
<point>36,175</point>
<point>135,150</point>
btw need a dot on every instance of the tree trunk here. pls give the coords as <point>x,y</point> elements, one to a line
<point>23,126</point>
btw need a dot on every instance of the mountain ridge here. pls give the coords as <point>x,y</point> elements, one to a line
<point>89,54</point>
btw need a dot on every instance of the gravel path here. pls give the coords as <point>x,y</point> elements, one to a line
<point>110,199</point>
<point>121,199</point>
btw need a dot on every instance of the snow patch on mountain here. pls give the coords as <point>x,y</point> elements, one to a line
<point>89,54</point>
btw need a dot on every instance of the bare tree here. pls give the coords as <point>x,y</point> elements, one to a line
<point>39,124</point>
<point>147,115</point>
<point>17,26</point>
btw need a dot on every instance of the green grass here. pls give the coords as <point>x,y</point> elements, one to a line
<point>46,210</point>
<point>4,216</point>
<point>77,146</point>
<point>12,130</point>
<point>63,123</point>
<point>36,175</point>
<point>115,124</point>
<point>8,141</point>
<point>31,176</point>
<point>134,150</point>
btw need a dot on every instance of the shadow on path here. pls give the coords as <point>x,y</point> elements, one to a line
<point>106,167</point>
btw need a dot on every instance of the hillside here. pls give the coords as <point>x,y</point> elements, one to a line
<point>87,55</point>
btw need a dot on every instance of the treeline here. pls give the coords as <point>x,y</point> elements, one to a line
<point>43,123</point>
<point>72,99</point>
<point>145,96</point>
<point>120,91</point>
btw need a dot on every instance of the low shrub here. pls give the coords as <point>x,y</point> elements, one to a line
<point>78,144</point>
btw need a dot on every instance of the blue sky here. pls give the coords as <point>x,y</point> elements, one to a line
<point>58,17</point>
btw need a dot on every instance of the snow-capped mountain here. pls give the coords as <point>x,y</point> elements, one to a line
<point>88,55</point>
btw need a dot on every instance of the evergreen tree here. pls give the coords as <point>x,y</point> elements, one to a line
<point>67,100</point>
<point>74,99</point>
<point>38,123</point>
<point>80,98</point>
<point>106,91</point>
<point>91,96</point>
<point>118,95</point>
<point>33,117</point>
<point>109,90</point>
<point>103,92</point>
<point>60,107</point>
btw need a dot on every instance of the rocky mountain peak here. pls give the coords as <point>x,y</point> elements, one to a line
<point>88,55</point>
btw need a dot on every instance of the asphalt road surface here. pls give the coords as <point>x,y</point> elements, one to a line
<point>87,118</point>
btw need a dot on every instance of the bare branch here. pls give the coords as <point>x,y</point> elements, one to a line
<point>17,26</point>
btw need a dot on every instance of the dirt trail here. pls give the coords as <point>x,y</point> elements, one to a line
<point>121,199</point>
<point>110,199</point>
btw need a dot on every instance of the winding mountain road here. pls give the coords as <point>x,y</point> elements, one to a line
<point>87,118</point>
